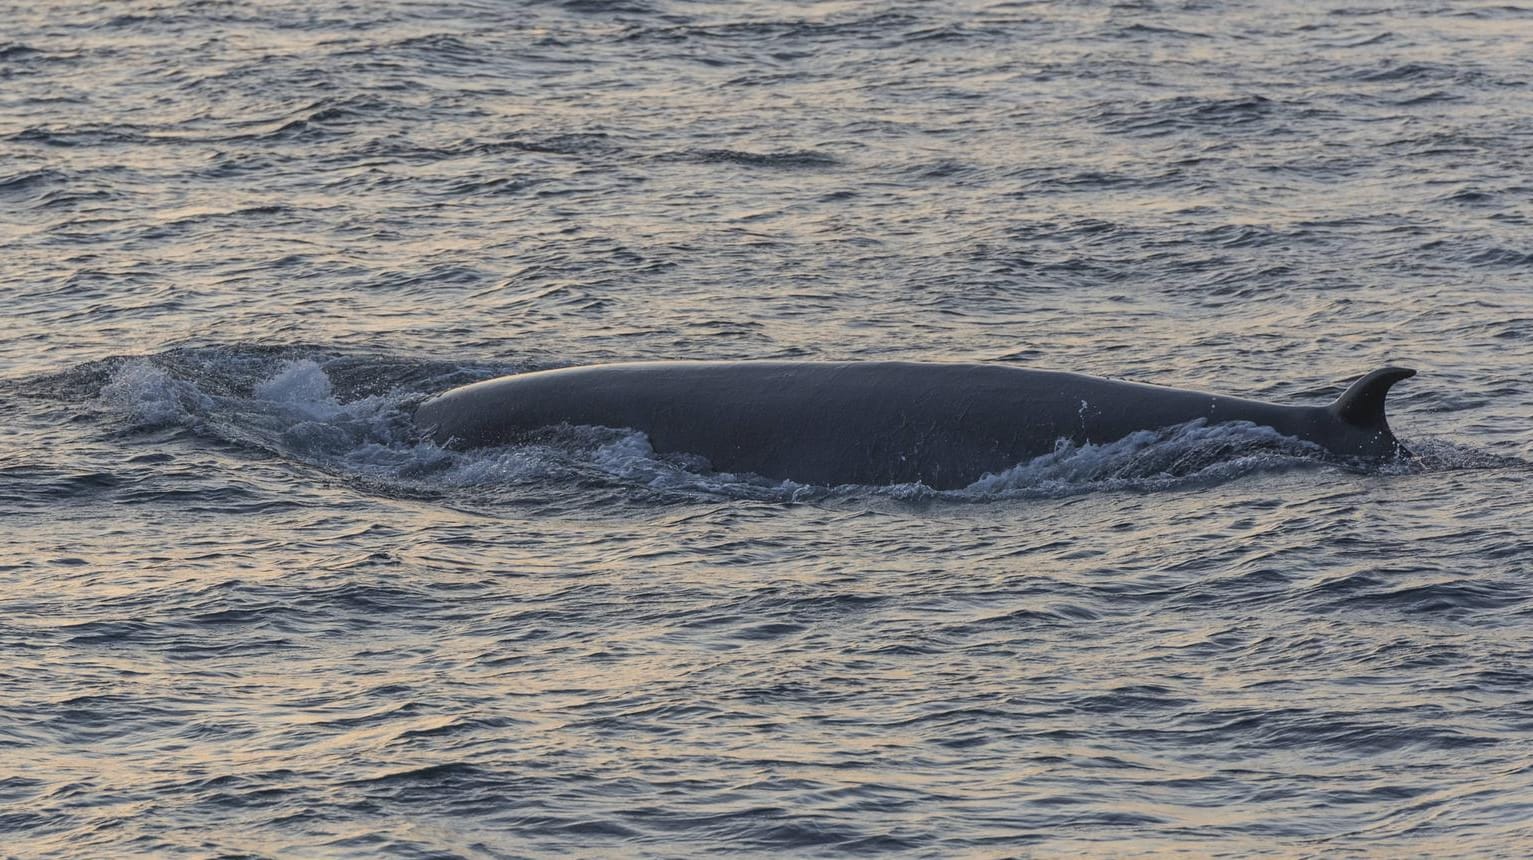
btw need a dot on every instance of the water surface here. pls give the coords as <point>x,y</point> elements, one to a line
<point>245,610</point>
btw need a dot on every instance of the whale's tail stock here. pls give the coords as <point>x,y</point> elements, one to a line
<point>1362,406</point>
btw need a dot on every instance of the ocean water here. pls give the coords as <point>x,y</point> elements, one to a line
<point>246,610</point>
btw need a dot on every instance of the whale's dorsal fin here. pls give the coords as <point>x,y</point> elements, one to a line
<point>1362,404</point>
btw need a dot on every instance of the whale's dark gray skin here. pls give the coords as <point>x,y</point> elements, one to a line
<point>885,422</point>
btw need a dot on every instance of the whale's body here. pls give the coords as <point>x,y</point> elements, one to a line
<point>885,422</point>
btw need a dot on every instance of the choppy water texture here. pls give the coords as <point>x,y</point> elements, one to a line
<point>246,610</point>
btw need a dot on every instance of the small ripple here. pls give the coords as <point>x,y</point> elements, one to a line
<point>786,159</point>
<point>1390,71</point>
<point>1182,113</point>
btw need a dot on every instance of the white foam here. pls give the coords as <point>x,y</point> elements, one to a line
<point>147,395</point>
<point>304,387</point>
<point>1150,459</point>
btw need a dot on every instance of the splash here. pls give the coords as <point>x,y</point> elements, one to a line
<point>148,396</point>
<point>303,388</point>
<point>1189,454</point>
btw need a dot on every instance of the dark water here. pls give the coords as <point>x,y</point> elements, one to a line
<point>246,611</point>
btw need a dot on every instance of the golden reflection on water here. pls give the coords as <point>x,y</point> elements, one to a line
<point>233,627</point>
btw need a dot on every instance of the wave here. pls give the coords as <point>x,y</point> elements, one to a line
<point>786,159</point>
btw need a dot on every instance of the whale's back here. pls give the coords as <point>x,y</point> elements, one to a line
<point>945,424</point>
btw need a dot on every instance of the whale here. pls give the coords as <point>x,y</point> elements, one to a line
<point>944,424</point>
